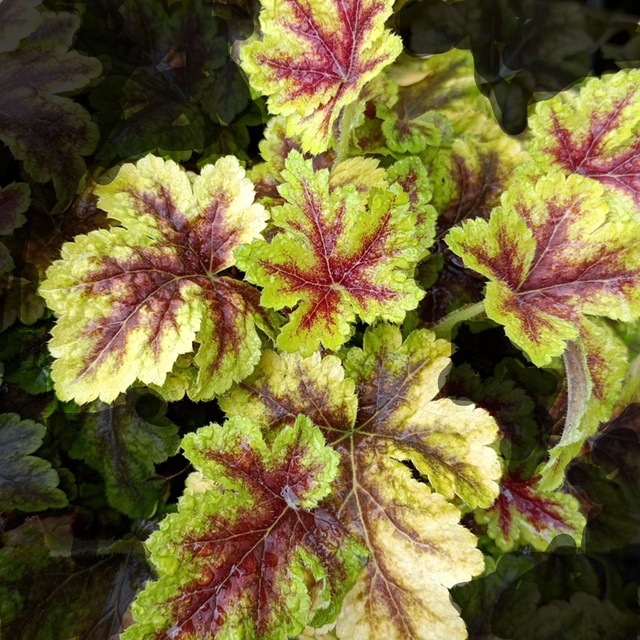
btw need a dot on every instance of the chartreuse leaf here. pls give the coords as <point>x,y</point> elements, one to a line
<point>596,136</point>
<point>381,413</point>
<point>250,554</point>
<point>131,299</point>
<point>556,254</point>
<point>525,515</point>
<point>27,483</point>
<point>314,59</point>
<point>333,260</point>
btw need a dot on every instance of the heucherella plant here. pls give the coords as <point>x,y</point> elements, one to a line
<point>356,454</point>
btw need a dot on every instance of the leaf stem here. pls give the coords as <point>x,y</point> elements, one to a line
<point>443,328</point>
<point>345,132</point>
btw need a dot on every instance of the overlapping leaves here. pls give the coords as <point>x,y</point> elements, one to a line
<point>46,131</point>
<point>556,254</point>
<point>131,300</point>
<point>379,414</point>
<point>315,58</point>
<point>332,260</point>
<point>249,553</point>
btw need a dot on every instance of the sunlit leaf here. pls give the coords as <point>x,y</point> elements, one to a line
<point>379,414</point>
<point>130,300</point>
<point>332,260</point>
<point>596,136</point>
<point>314,59</point>
<point>249,553</point>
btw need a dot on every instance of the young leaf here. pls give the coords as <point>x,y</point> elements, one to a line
<point>45,130</point>
<point>249,550</point>
<point>523,514</point>
<point>596,136</point>
<point>383,413</point>
<point>26,483</point>
<point>125,447</point>
<point>333,260</point>
<point>315,58</point>
<point>132,299</point>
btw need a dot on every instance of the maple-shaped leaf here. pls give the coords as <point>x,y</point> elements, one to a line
<point>555,254</point>
<point>331,260</point>
<point>378,411</point>
<point>315,58</point>
<point>596,135</point>
<point>124,446</point>
<point>26,482</point>
<point>525,515</point>
<point>131,299</point>
<point>57,582</point>
<point>249,552</point>
<point>46,131</point>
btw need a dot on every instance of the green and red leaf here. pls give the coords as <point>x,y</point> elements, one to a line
<point>249,552</point>
<point>378,415</point>
<point>331,260</point>
<point>315,58</point>
<point>597,136</point>
<point>131,299</point>
<point>525,515</point>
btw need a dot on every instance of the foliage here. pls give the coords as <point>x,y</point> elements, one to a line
<point>298,342</point>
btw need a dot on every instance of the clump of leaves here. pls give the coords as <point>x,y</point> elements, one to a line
<point>348,454</point>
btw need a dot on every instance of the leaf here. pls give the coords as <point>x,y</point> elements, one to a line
<point>14,201</point>
<point>314,59</point>
<point>523,514</point>
<point>596,136</point>
<point>353,262</point>
<point>26,358</point>
<point>130,300</point>
<point>18,18</point>
<point>171,83</point>
<point>83,591</point>
<point>26,483</point>
<point>124,447</point>
<point>553,252</point>
<point>378,415</point>
<point>363,173</point>
<point>46,131</point>
<point>555,255</point>
<point>286,552</point>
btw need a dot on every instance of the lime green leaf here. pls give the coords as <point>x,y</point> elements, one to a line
<point>130,300</point>
<point>525,515</point>
<point>314,59</point>
<point>27,483</point>
<point>124,446</point>
<point>380,414</point>
<point>250,553</point>
<point>333,260</point>
<point>596,136</point>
